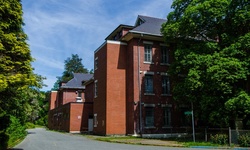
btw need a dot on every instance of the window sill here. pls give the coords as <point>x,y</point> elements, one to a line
<point>165,64</point>
<point>166,94</point>
<point>152,94</point>
<point>150,127</point>
<point>146,62</point>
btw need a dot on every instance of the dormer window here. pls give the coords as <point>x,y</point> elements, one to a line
<point>139,22</point>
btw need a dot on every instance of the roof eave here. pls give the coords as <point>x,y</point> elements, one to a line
<point>117,29</point>
<point>77,88</point>
<point>145,33</point>
<point>135,34</point>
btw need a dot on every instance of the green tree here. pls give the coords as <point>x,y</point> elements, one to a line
<point>15,67</point>
<point>211,39</point>
<point>16,73</point>
<point>71,65</point>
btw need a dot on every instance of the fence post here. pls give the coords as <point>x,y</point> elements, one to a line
<point>229,136</point>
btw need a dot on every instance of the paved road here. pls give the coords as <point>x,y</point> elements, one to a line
<point>42,139</point>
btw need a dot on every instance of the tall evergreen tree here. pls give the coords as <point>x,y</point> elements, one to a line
<point>212,57</point>
<point>73,65</point>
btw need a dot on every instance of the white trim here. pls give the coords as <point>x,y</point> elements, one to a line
<point>164,74</point>
<point>116,42</point>
<point>148,73</point>
<point>110,42</point>
<point>147,62</point>
<point>96,58</point>
<point>96,81</point>
<point>148,42</point>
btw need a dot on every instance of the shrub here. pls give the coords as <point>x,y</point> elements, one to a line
<point>219,139</point>
<point>15,131</point>
<point>244,140</point>
<point>29,125</point>
<point>42,121</point>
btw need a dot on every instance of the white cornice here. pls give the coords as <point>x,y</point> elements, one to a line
<point>110,42</point>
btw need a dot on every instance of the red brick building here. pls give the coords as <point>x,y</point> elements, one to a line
<point>70,109</point>
<point>132,91</point>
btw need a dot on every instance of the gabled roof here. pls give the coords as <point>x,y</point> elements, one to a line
<point>148,25</point>
<point>77,81</point>
<point>118,29</point>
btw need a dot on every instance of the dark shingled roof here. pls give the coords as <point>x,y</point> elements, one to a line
<point>148,25</point>
<point>76,82</point>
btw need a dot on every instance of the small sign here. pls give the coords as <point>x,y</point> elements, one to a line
<point>188,112</point>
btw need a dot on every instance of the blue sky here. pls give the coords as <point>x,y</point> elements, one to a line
<point>58,28</point>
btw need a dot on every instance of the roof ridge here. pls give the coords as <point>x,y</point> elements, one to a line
<point>151,17</point>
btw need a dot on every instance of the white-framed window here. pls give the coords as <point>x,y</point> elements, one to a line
<point>166,116</point>
<point>148,83</point>
<point>149,116</point>
<point>96,63</point>
<point>79,93</point>
<point>96,88</point>
<point>95,120</point>
<point>148,53</point>
<point>166,85</point>
<point>164,55</point>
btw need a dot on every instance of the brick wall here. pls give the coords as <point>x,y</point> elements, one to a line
<point>89,92</point>
<point>53,99</point>
<point>100,77</point>
<point>116,85</point>
<point>76,117</point>
<point>71,117</point>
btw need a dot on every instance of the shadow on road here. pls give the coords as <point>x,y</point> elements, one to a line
<point>15,149</point>
<point>31,132</point>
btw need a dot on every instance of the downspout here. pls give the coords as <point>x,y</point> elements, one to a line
<point>139,86</point>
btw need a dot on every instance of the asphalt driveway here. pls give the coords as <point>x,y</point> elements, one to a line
<point>42,139</point>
